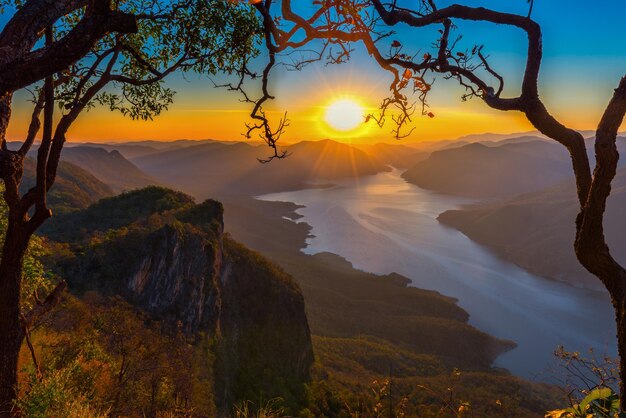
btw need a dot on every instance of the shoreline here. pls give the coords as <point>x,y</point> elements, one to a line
<point>366,221</point>
<point>391,296</point>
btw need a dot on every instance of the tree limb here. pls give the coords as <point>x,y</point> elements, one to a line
<point>30,318</point>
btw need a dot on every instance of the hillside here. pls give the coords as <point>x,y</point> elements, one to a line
<point>109,166</point>
<point>526,228</point>
<point>396,155</point>
<point>477,170</point>
<point>363,324</point>
<point>168,256</point>
<point>126,149</point>
<point>219,169</point>
<point>74,188</point>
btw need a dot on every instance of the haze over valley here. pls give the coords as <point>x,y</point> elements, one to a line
<point>326,209</point>
<point>424,257</point>
<point>513,219</point>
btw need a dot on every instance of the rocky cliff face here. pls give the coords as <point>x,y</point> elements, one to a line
<point>178,277</point>
<point>179,266</point>
<point>263,319</point>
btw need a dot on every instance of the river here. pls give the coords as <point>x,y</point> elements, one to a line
<point>382,224</point>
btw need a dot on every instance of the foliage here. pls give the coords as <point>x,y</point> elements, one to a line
<point>74,188</point>
<point>269,409</point>
<point>102,356</point>
<point>58,395</point>
<point>340,388</point>
<point>580,374</point>
<point>600,402</point>
<point>203,37</point>
<point>590,382</point>
<point>115,213</point>
<point>194,36</point>
<point>35,279</point>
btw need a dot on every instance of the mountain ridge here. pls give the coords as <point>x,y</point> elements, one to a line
<point>524,228</point>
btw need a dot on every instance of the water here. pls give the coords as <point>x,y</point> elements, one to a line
<point>382,224</point>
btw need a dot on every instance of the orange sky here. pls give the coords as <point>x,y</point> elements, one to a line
<point>179,123</point>
<point>200,112</point>
<point>580,69</point>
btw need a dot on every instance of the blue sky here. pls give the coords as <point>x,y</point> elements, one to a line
<point>584,58</point>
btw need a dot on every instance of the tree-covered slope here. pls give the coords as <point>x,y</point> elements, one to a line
<point>368,327</point>
<point>478,170</point>
<point>167,256</point>
<point>111,167</point>
<point>74,188</point>
<point>525,228</point>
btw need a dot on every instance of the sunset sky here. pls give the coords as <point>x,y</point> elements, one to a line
<point>585,56</point>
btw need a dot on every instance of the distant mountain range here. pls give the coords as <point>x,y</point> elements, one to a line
<point>481,166</point>
<point>109,166</point>
<point>74,187</point>
<point>478,170</point>
<point>213,168</point>
<point>536,230</point>
<point>505,167</point>
<point>220,169</point>
<point>397,155</point>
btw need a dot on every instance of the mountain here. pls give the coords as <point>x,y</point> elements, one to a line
<point>515,140</point>
<point>220,169</point>
<point>477,170</point>
<point>396,155</point>
<point>329,160</point>
<point>162,145</point>
<point>128,150</point>
<point>527,228</point>
<point>169,257</point>
<point>434,145</point>
<point>74,188</point>
<point>492,137</point>
<point>109,166</point>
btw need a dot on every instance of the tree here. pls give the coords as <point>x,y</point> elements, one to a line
<point>337,24</point>
<point>21,66</point>
<point>131,48</point>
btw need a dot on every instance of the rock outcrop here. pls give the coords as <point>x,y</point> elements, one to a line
<point>178,266</point>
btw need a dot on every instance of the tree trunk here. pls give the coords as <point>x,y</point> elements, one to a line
<point>619,303</point>
<point>11,332</point>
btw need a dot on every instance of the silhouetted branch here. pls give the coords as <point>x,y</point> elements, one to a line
<point>30,318</point>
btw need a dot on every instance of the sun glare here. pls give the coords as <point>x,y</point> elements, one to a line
<point>344,114</point>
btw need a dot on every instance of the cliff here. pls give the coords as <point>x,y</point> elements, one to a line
<point>175,263</point>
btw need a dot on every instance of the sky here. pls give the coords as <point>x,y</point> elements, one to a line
<point>584,58</point>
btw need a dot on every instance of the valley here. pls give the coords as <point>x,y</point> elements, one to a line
<point>388,289</point>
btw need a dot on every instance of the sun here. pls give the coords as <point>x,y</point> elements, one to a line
<point>344,114</point>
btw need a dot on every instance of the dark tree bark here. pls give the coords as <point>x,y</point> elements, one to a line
<point>591,248</point>
<point>21,66</point>
<point>11,331</point>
